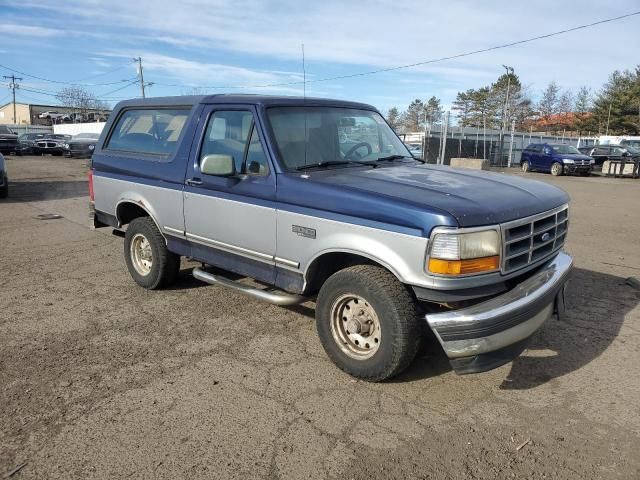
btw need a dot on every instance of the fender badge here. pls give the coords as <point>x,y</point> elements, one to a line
<point>303,231</point>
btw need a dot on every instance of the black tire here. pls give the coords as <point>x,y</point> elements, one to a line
<point>557,169</point>
<point>165,265</point>
<point>395,309</point>
<point>525,166</point>
<point>4,190</point>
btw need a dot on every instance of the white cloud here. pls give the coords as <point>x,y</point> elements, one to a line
<point>28,30</point>
<point>345,37</point>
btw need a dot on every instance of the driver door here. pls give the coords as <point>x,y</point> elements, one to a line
<point>232,218</point>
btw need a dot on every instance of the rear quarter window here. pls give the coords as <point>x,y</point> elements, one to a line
<point>148,131</point>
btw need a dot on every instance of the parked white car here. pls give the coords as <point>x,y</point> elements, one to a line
<point>54,115</point>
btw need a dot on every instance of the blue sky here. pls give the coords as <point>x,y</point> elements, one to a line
<point>193,44</point>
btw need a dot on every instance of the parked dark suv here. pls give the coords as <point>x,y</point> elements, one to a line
<point>8,140</point>
<point>602,153</point>
<point>558,159</point>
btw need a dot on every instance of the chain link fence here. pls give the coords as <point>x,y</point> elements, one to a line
<point>476,142</point>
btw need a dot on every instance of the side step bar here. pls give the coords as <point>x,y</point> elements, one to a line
<point>280,298</point>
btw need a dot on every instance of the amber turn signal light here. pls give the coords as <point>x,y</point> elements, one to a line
<point>463,267</point>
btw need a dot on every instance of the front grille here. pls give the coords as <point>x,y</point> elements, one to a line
<point>530,240</point>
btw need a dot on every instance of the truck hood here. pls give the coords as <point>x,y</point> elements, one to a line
<point>472,198</point>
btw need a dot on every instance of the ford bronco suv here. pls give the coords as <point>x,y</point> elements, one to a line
<point>320,200</point>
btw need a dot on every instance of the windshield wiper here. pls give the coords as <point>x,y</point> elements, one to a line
<point>390,158</point>
<point>332,163</point>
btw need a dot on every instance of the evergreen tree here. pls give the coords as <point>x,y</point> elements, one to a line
<point>413,117</point>
<point>622,93</point>
<point>393,118</point>
<point>433,110</point>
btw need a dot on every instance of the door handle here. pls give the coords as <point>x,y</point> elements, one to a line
<point>193,182</point>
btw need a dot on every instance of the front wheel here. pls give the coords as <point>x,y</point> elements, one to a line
<point>525,166</point>
<point>367,322</point>
<point>556,169</point>
<point>148,260</point>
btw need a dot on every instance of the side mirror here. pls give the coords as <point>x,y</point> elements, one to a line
<point>216,164</point>
<point>546,151</point>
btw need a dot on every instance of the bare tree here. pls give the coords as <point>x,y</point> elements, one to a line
<point>548,104</point>
<point>566,102</point>
<point>79,100</point>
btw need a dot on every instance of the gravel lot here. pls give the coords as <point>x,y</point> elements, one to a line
<point>102,379</point>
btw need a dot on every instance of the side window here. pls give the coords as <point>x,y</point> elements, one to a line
<point>256,163</point>
<point>232,132</point>
<point>151,131</point>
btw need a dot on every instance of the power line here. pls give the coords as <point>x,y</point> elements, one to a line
<point>105,95</point>
<point>417,64</point>
<point>62,82</point>
<point>102,97</point>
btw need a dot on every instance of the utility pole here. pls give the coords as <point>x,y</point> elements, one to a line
<point>513,129</point>
<point>13,85</point>
<point>141,76</point>
<point>503,125</point>
<point>444,137</point>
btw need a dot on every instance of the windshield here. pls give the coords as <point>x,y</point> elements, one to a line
<point>318,135</point>
<point>93,136</point>
<point>4,129</point>
<point>634,150</point>
<point>566,149</point>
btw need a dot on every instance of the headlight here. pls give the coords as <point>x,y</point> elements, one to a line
<point>567,160</point>
<point>65,145</point>
<point>592,161</point>
<point>464,253</point>
<point>91,147</point>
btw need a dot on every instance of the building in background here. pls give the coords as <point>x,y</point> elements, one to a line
<point>30,114</point>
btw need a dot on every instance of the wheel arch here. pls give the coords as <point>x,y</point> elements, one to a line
<point>128,209</point>
<point>326,263</point>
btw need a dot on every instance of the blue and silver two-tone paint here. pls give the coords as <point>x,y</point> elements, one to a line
<point>289,191</point>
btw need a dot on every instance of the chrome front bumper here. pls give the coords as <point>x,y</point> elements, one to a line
<point>492,333</point>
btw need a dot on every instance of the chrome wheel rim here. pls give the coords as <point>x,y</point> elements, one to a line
<point>525,167</point>
<point>355,326</point>
<point>555,169</point>
<point>141,254</point>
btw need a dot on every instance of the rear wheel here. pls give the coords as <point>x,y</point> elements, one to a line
<point>149,262</point>
<point>525,166</point>
<point>367,322</point>
<point>556,169</point>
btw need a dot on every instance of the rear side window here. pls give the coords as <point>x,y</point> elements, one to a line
<point>150,131</point>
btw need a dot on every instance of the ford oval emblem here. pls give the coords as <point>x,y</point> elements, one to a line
<point>545,236</point>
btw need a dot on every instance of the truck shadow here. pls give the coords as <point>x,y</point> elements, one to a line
<point>597,304</point>
<point>21,191</point>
